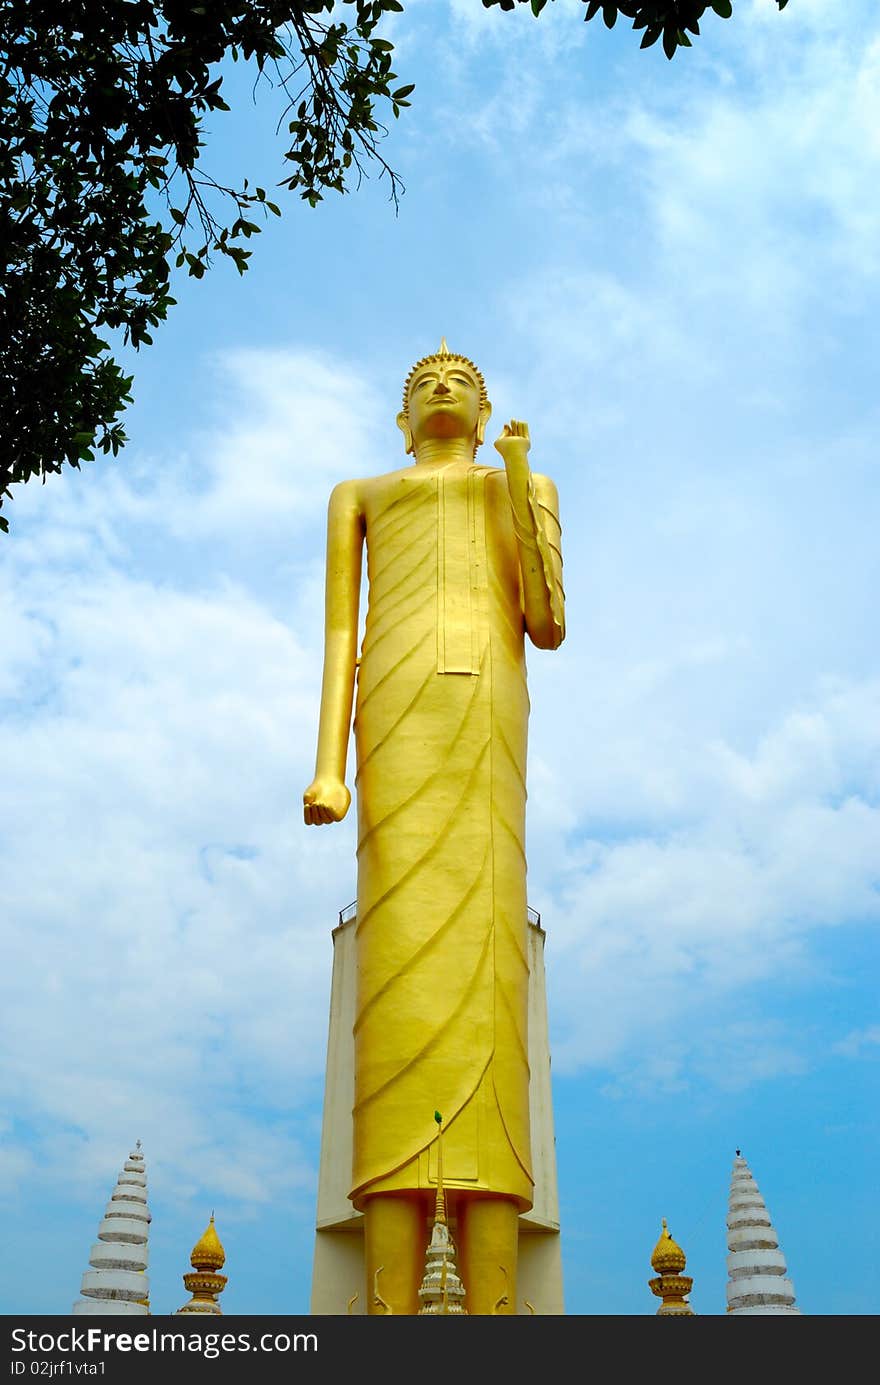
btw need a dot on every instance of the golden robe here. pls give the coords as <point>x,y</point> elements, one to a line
<point>440,731</point>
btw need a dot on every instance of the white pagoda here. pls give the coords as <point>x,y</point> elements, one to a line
<point>117,1281</point>
<point>756,1266</point>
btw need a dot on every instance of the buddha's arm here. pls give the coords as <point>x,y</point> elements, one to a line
<point>327,798</point>
<point>535,507</point>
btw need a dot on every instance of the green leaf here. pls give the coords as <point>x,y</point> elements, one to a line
<point>724,8</point>
<point>118,129</point>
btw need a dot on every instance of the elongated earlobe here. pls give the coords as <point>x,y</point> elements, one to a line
<point>403,425</point>
<point>485,415</point>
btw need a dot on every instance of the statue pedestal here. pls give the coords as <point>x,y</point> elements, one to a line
<point>338,1277</point>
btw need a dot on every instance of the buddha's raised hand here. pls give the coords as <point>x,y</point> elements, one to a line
<point>514,441</point>
<point>325,800</point>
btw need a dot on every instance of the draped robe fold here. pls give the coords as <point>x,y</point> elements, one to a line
<point>440,727</point>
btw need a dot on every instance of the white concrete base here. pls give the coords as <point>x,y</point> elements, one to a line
<point>338,1275</point>
<point>108,1308</point>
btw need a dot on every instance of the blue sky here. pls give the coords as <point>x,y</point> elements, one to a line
<point>672,271</point>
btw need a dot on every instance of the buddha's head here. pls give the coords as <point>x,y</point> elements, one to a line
<point>444,397</point>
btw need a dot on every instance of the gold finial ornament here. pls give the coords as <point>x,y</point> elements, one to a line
<point>668,1256</point>
<point>464,561</point>
<point>205,1283</point>
<point>671,1286</point>
<point>208,1253</point>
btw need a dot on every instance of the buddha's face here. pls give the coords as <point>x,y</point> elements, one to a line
<point>444,401</point>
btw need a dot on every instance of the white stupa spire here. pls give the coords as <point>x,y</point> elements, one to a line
<point>117,1281</point>
<point>441,1292</point>
<point>756,1267</point>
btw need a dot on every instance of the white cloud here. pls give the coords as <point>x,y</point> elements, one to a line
<point>166,911</point>
<point>755,195</point>
<point>559,28</point>
<point>731,1057</point>
<point>287,424</point>
<point>758,851</point>
<point>859,1043</point>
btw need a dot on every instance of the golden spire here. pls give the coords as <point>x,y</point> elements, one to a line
<point>208,1253</point>
<point>670,1286</point>
<point>668,1256</point>
<point>208,1256</point>
<point>442,1291</point>
<point>440,1202</point>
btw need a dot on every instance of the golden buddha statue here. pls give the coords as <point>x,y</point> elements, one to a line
<point>463,561</point>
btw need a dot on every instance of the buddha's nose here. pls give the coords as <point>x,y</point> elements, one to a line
<point>441,388</point>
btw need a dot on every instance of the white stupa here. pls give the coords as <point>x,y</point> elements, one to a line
<point>117,1281</point>
<point>756,1267</point>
